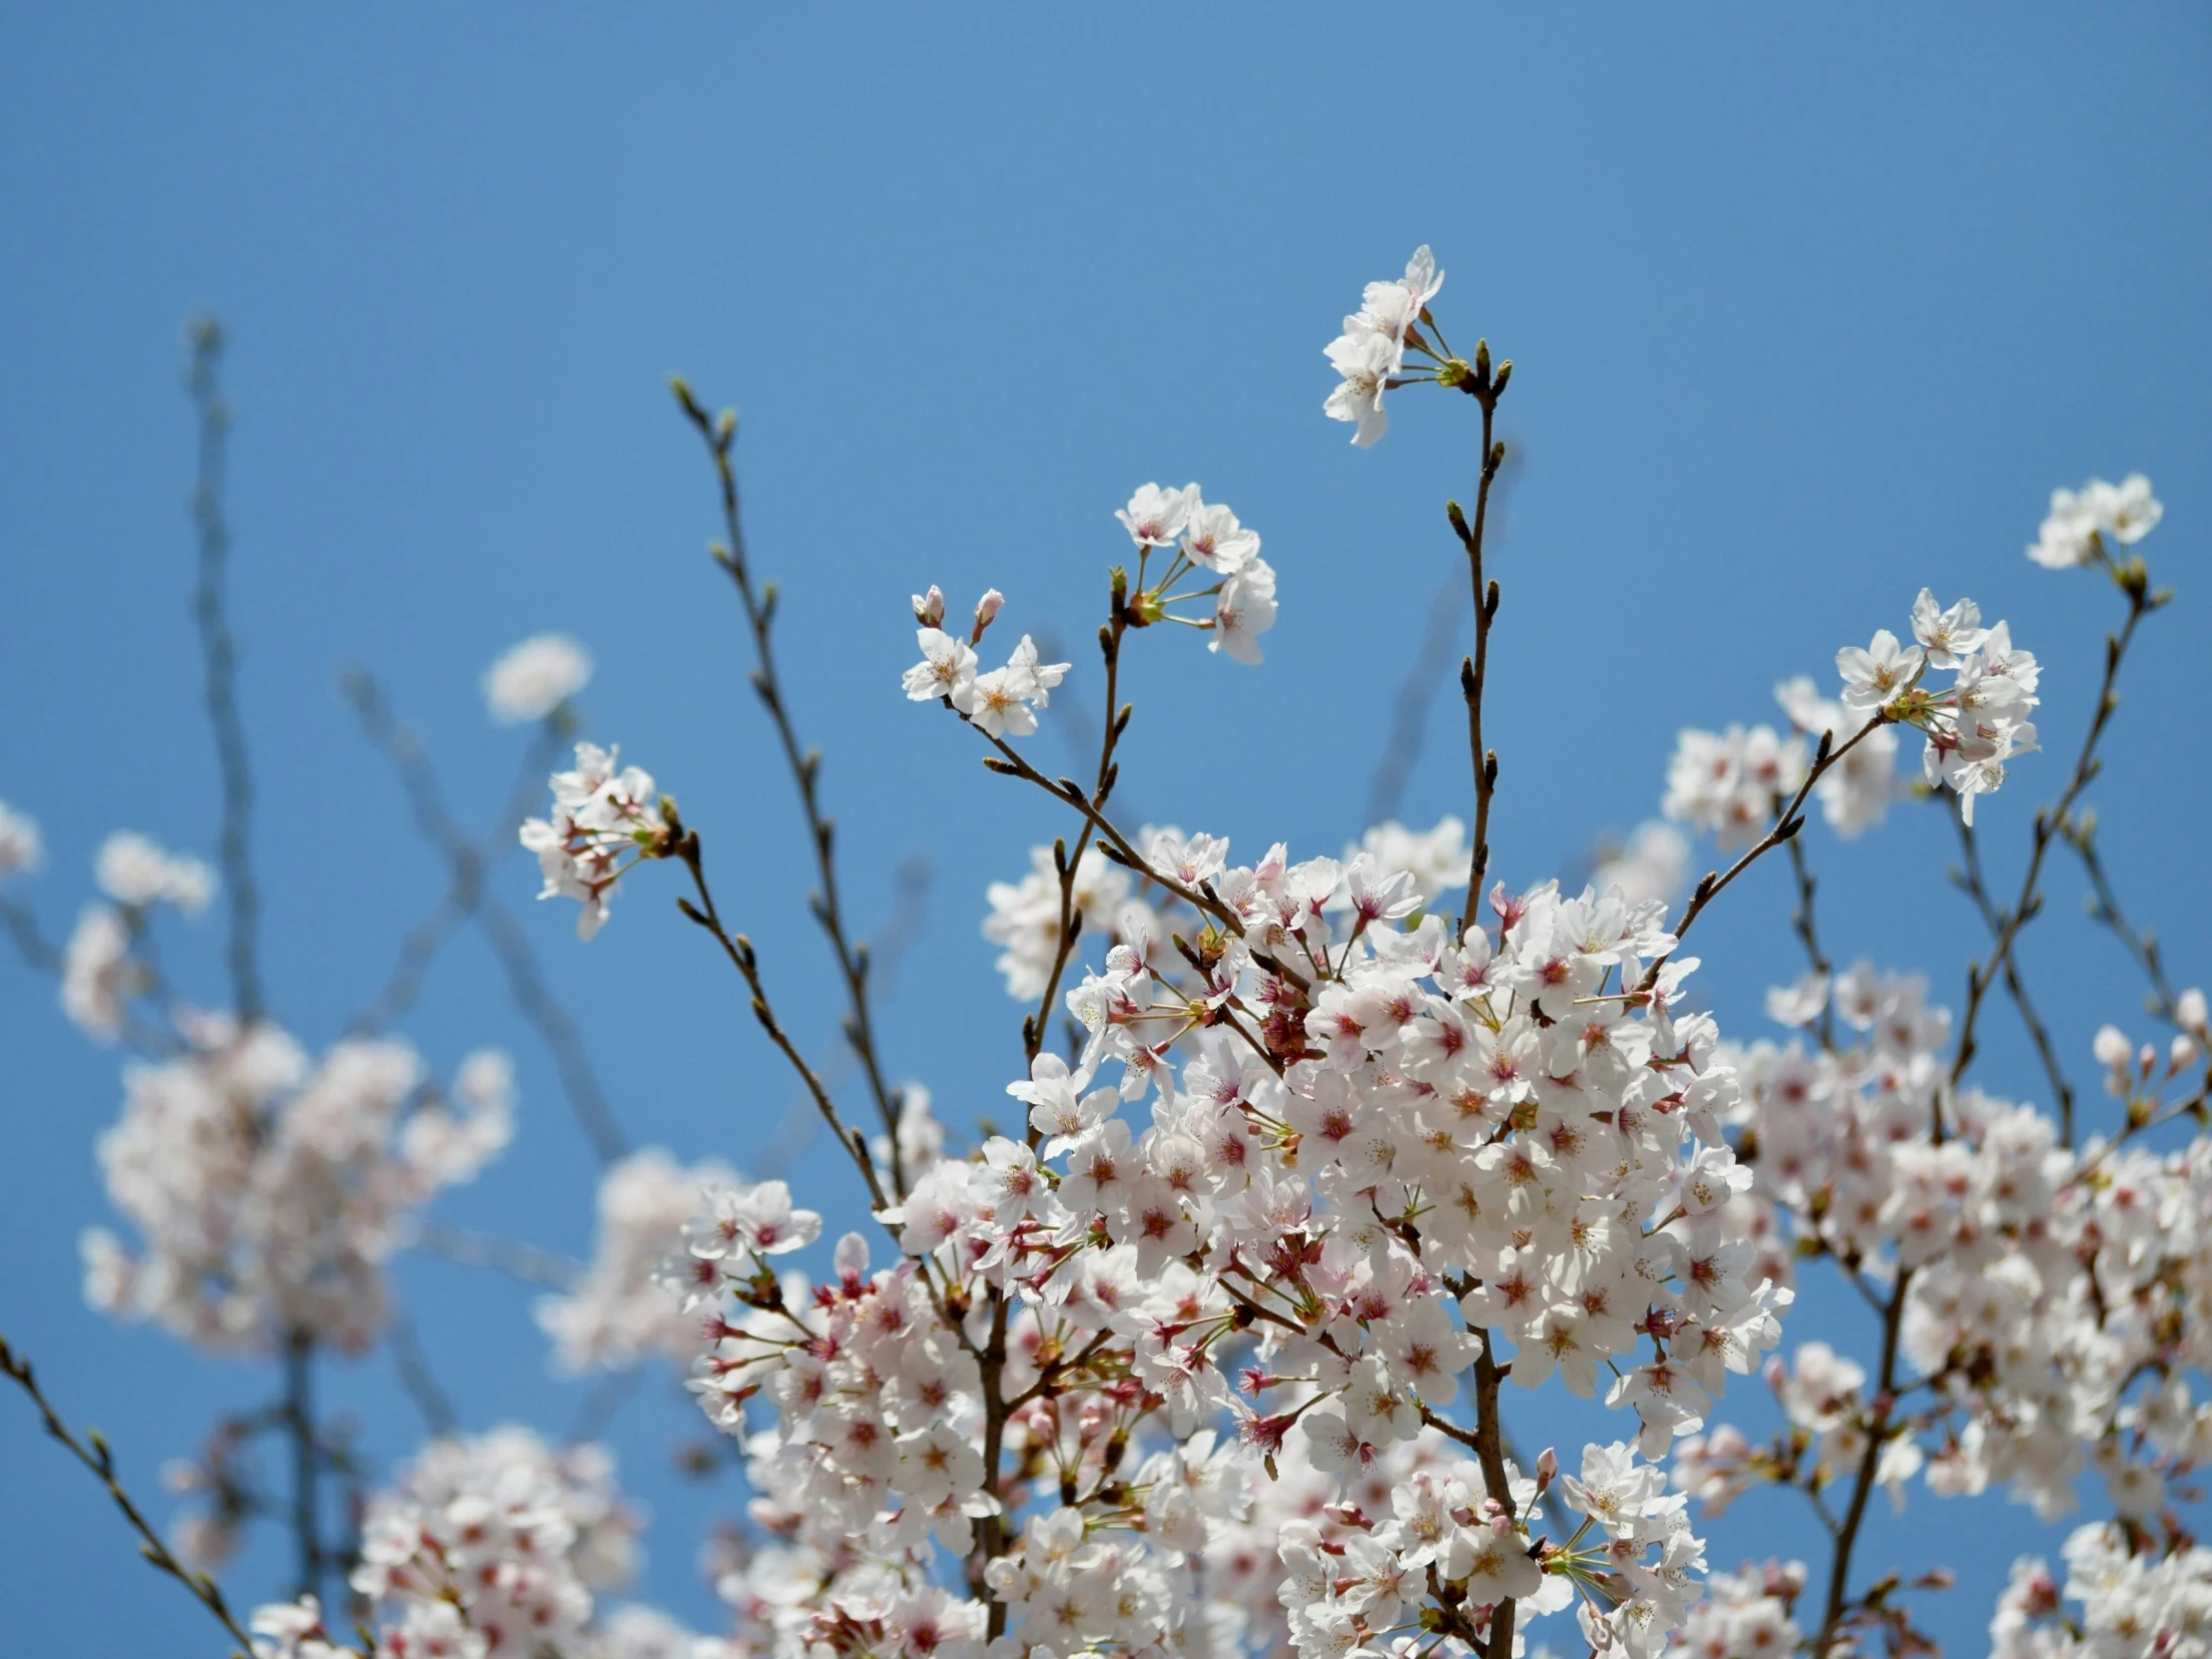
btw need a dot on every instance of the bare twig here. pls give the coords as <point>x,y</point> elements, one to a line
<point>219,650</point>
<point>2141,944</point>
<point>415,1376</point>
<point>720,437</point>
<point>1969,877</point>
<point>1802,923</point>
<point>484,1250</point>
<point>93,1453</point>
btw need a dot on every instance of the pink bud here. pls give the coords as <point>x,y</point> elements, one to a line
<point>1547,1466</point>
<point>929,608</point>
<point>986,608</point>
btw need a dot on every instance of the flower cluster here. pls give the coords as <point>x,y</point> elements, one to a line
<point>493,1547</point>
<point>2055,1301</point>
<point>1003,702</point>
<point>618,1313</point>
<point>1370,354</point>
<point>599,817</point>
<point>104,968</point>
<point>2131,1603</point>
<point>1975,725</point>
<point>1518,1128</point>
<point>2080,521</point>
<point>1206,537</point>
<point>269,1193</point>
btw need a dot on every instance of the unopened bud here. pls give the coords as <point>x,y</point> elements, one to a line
<point>1547,1466</point>
<point>930,607</point>
<point>986,608</point>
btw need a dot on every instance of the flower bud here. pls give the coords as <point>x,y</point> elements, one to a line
<point>930,607</point>
<point>986,608</point>
<point>1547,1466</point>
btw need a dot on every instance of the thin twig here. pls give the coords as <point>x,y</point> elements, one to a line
<point>218,651</point>
<point>1969,879</point>
<point>720,438</point>
<point>485,1250</point>
<point>415,1376</point>
<point>2141,944</point>
<point>300,1432</point>
<point>1802,923</point>
<point>93,1453</point>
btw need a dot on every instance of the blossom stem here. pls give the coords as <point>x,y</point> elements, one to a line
<point>1847,1534</point>
<point>1802,923</point>
<point>93,1453</point>
<point>1474,671</point>
<point>300,1432</point>
<point>805,767</point>
<point>2079,832</point>
<point>2049,823</point>
<point>1976,888</point>
<point>218,654</point>
<point>1786,824</point>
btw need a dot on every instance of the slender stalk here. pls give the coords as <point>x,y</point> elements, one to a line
<point>1846,1533</point>
<point>93,1453</point>
<point>740,951</point>
<point>2048,822</point>
<point>2079,832</point>
<point>1475,670</point>
<point>852,956</point>
<point>1788,821</point>
<point>218,652</point>
<point>1977,889</point>
<point>1802,923</point>
<point>306,1464</point>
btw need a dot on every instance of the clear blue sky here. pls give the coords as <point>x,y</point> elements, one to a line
<point>1805,314</point>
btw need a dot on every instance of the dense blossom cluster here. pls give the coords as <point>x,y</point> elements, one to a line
<point>495,1546</point>
<point>2132,1604</point>
<point>1417,1122</point>
<point>2057,1302</point>
<point>268,1190</point>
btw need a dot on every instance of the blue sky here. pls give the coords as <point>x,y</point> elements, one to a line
<point>1803,317</point>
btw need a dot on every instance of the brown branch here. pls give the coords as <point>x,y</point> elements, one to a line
<point>1474,671</point>
<point>720,437</point>
<point>1969,879</point>
<point>2141,944</point>
<point>1982,975</point>
<point>1786,823</point>
<point>1847,1531</point>
<point>740,951</point>
<point>94,1453</point>
<point>1802,923</point>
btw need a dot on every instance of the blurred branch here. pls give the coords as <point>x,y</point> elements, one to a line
<point>415,1378</point>
<point>470,896</point>
<point>219,650</point>
<point>1416,695</point>
<point>101,1462</point>
<point>2079,832</point>
<point>486,1250</point>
